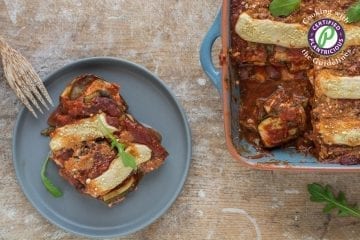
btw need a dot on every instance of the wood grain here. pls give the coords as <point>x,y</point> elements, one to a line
<point>221,199</point>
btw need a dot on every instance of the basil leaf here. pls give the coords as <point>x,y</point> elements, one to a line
<point>127,159</point>
<point>353,13</point>
<point>56,192</point>
<point>283,7</point>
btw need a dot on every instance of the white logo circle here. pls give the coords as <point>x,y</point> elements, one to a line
<point>326,37</point>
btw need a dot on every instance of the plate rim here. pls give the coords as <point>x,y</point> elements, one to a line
<point>188,160</point>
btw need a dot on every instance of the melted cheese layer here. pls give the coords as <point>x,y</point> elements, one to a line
<point>270,32</point>
<point>328,83</point>
<point>290,35</point>
<point>83,130</point>
<point>340,131</point>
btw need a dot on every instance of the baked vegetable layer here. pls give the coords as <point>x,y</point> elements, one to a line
<point>344,131</point>
<point>290,35</point>
<point>117,172</point>
<point>71,135</point>
<point>329,83</point>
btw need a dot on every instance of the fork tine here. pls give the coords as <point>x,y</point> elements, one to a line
<point>40,85</point>
<point>29,71</point>
<point>18,91</point>
<point>37,94</point>
<point>23,79</point>
<point>29,95</point>
<point>25,101</point>
<point>33,88</point>
<point>21,89</point>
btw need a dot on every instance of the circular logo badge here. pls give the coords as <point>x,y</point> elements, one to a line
<point>326,37</point>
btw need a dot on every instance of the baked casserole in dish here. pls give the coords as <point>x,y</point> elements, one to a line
<point>290,84</point>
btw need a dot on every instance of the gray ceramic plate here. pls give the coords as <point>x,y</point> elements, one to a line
<point>152,103</point>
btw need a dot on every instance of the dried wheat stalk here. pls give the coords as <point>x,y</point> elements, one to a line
<point>23,79</point>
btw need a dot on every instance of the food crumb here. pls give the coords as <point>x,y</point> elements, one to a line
<point>201,81</point>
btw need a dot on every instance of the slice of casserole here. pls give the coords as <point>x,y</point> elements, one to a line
<point>90,110</point>
<point>336,115</point>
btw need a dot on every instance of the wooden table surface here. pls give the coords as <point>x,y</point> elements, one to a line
<point>221,199</point>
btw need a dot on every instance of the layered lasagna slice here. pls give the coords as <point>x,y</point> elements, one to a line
<point>336,116</point>
<point>90,119</point>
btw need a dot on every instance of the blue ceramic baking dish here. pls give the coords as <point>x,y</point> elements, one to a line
<point>224,80</point>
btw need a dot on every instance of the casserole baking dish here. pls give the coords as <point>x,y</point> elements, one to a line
<point>224,80</point>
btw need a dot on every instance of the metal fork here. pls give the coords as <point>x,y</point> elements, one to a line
<point>23,79</point>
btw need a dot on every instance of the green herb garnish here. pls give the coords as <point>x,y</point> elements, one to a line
<point>318,193</point>
<point>353,13</point>
<point>127,159</point>
<point>55,191</point>
<point>283,8</point>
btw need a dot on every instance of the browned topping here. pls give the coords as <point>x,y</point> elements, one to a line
<point>150,138</point>
<point>259,9</point>
<point>89,95</point>
<point>89,160</point>
<point>113,121</point>
<point>63,155</point>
